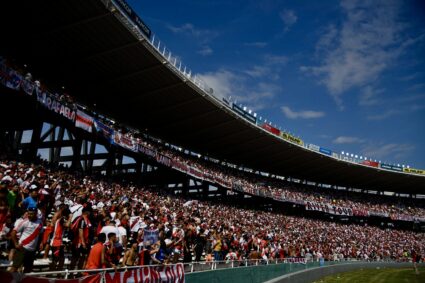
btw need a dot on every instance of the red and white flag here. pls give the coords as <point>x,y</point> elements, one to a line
<point>84,121</point>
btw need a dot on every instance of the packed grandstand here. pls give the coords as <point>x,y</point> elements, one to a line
<point>183,229</point>
<point>56,218</point>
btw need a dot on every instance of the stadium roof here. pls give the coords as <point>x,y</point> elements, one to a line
<point>83,45</point>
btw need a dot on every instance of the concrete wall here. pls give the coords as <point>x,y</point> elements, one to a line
<point>248,274</point>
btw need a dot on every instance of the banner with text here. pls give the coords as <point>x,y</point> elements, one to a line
<point>167,273</point>
<point>50,102</point>
<point>125,141</point>
<point>270,129</point>
<point>291,138</point>
<point>105,130</point>
<point>328,208</point>
<point>370,163</point>
<point>414,171</point>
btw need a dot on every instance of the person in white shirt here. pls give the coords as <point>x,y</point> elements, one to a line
<point>76,210</point>
<point>30,229</point>
<point>109,228</point>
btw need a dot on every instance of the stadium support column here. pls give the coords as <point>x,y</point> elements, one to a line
<point>31,154</point>
<point>138,168</point>
<point>205,190</point>
<point>186,187</point>
<point>57,150</point>
<point>91,157</point>
<point>17,141</point>
<point>110,161</point>
<point>10,140</point>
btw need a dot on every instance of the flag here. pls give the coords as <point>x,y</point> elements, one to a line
<point>84,121</point>
<point>107,132</point>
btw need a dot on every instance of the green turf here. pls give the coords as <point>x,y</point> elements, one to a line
<point>377,275</point>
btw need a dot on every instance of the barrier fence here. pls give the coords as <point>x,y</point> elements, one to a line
<point>181,272</point>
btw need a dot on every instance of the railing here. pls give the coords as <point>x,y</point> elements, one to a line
<point>193,267</point>
<point>173,61</point>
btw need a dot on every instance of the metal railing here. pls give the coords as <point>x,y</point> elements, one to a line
<point>193,267</point>
<point>172,61</point>
<point>175,64</point>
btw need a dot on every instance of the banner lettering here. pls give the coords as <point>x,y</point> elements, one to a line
<point>291,138</point>
<point>51,103</point>
<point>414,171</point>
<point>327,208</point>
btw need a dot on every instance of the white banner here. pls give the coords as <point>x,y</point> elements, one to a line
<point>328,208</point>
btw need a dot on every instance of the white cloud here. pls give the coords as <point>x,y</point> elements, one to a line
<point>258,44</point>
<point>270,59</point>
<point>382,116</point>
<point>391,151</point>
<point>417,107</point>
<point>289,18</point>
<point>347,140</point>
<point>304,114</point>
<point>241,88</point>
<point>257,71</point>
<point>410,77</point>
<point>223,82</point>
<point>369,96</point>
<point>188,29</point>
<point>416,87</point>
<point>205,51</point>
<point>357,52</point>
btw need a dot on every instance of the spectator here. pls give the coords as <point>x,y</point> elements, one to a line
<point>31,200</point>
<point>96,258</point>
<point>29,230</point>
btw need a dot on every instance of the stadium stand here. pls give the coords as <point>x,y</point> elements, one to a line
<point>59,218</point>
<point>181,227</point>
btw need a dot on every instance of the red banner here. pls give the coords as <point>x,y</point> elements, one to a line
<point>168,273</point>
<point>360,212</point>
<point>148,274</point>
<point>7,277</point>
<point>271,129</point>
<point>370,163</point>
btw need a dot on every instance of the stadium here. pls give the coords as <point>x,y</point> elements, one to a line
<point>139,172</point>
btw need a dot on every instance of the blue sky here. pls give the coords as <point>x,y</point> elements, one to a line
<point>345,75</point>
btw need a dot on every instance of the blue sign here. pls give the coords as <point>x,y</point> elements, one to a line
<point>392,167</point>
<point>244,114</point>
<point>325,151</point>
<point>133,16</point>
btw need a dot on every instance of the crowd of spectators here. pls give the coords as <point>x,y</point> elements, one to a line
<point>253,183</point>
<point>399,208</point>
<point>94,223</point>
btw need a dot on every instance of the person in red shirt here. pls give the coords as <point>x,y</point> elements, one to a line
<point>60,221</point>
<point>96,259</point>
<point>112,251</point>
